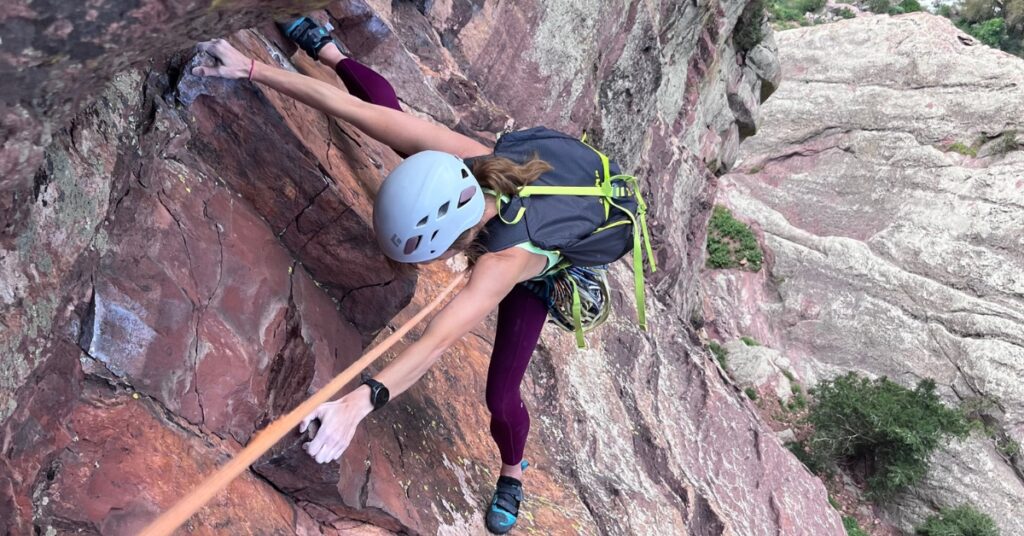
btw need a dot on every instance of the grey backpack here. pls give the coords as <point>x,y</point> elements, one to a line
<point>584,208</point>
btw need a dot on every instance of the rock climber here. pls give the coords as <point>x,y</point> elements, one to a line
<point>455,194</point>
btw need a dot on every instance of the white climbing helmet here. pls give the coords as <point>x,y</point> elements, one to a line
<point>424,205</point>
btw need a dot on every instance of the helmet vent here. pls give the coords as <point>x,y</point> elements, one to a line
<point>411,244</point>
<point>465,173</point>
<point>466,196</point>
<point>423,221</point>
<point>443,210</point>
<point>433,236</point>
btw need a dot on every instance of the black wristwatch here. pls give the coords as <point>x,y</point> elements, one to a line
<point>379,394</point>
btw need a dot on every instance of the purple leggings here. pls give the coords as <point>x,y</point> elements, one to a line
<point>521,314</point>
<point>366,84</point>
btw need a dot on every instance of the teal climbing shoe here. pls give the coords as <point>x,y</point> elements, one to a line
<point>504,509</point>
<point>305,32</point>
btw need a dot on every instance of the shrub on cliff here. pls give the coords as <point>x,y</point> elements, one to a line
<point>1007,142</point>
<point>992,32</point>
<point>997,23</point>
<point>880,429</point>
<point>960,521</point>
<point>910,6</point>
<point>731,244</point>
<point>879,6</point>
<point>852,527</point>
<point>794,10</point>
<point>749,28</point>
<point>964,149</point>
<point>720,353</point>
<point>886,6</point>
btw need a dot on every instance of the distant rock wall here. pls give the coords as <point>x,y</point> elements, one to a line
<point>891,251</point>
<point>191,258</point>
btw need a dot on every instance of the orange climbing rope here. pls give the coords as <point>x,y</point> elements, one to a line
<point>180,512</point>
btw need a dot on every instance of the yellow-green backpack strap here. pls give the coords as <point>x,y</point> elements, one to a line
<point>605,180</point>
<point>638,282</point>
<point>498,200</point>
<point>638,270</point>
<point>593,191</point>
<point>577,315</point>
<point>642,216</point>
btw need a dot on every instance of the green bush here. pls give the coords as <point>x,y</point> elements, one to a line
<point>964,149</point>
<point>797,403</point>
<point>794,10</point>
<point>750,341</point>
<point>785,13</point>
<point>1007,143</point>
<point>991,32</point>
<point>910,6</point>
<point>730,241</point>
<point>1008,447</point>
<point>814,463</point>
<point>749,29</point>
<point>852,527</point>
<point>885,428</point>
<point>846,13</point>
<point>997,23</point>
<point>963,520</point>
<point>809,6</point>
<point>879,6</point>
<point>751,393</point>
<point>721,354</point>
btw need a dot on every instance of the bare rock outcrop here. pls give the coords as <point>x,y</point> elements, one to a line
<point>886,185</point>
<point>193,257</point>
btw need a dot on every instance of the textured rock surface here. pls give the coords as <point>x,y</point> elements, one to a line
<point>887,252</point>
<point>759,366</point>
<point>193,257</point>
<point>55,56</point>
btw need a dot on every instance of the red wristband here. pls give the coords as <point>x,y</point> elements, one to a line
<point>251,67</point>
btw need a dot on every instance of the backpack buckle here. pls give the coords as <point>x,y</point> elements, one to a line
<point>622,188</point>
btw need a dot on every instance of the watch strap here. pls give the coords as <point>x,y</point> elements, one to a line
<point>378,393</point>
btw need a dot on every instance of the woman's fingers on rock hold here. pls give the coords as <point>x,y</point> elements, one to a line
<point>309,418</point>
<point>324,456</point>
<point>333,452</point>
<point>207,71</point>
<point>317,444</point>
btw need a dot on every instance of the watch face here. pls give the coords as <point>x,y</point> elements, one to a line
<point>379,395</point>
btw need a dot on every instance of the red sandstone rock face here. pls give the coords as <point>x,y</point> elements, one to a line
<point>205,245</point>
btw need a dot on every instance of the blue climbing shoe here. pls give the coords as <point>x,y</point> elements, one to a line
<point>305,32</point>
<point>504,509</point>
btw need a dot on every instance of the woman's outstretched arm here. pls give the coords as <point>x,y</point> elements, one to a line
<point>402,132</point>
<point>492,279</point>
